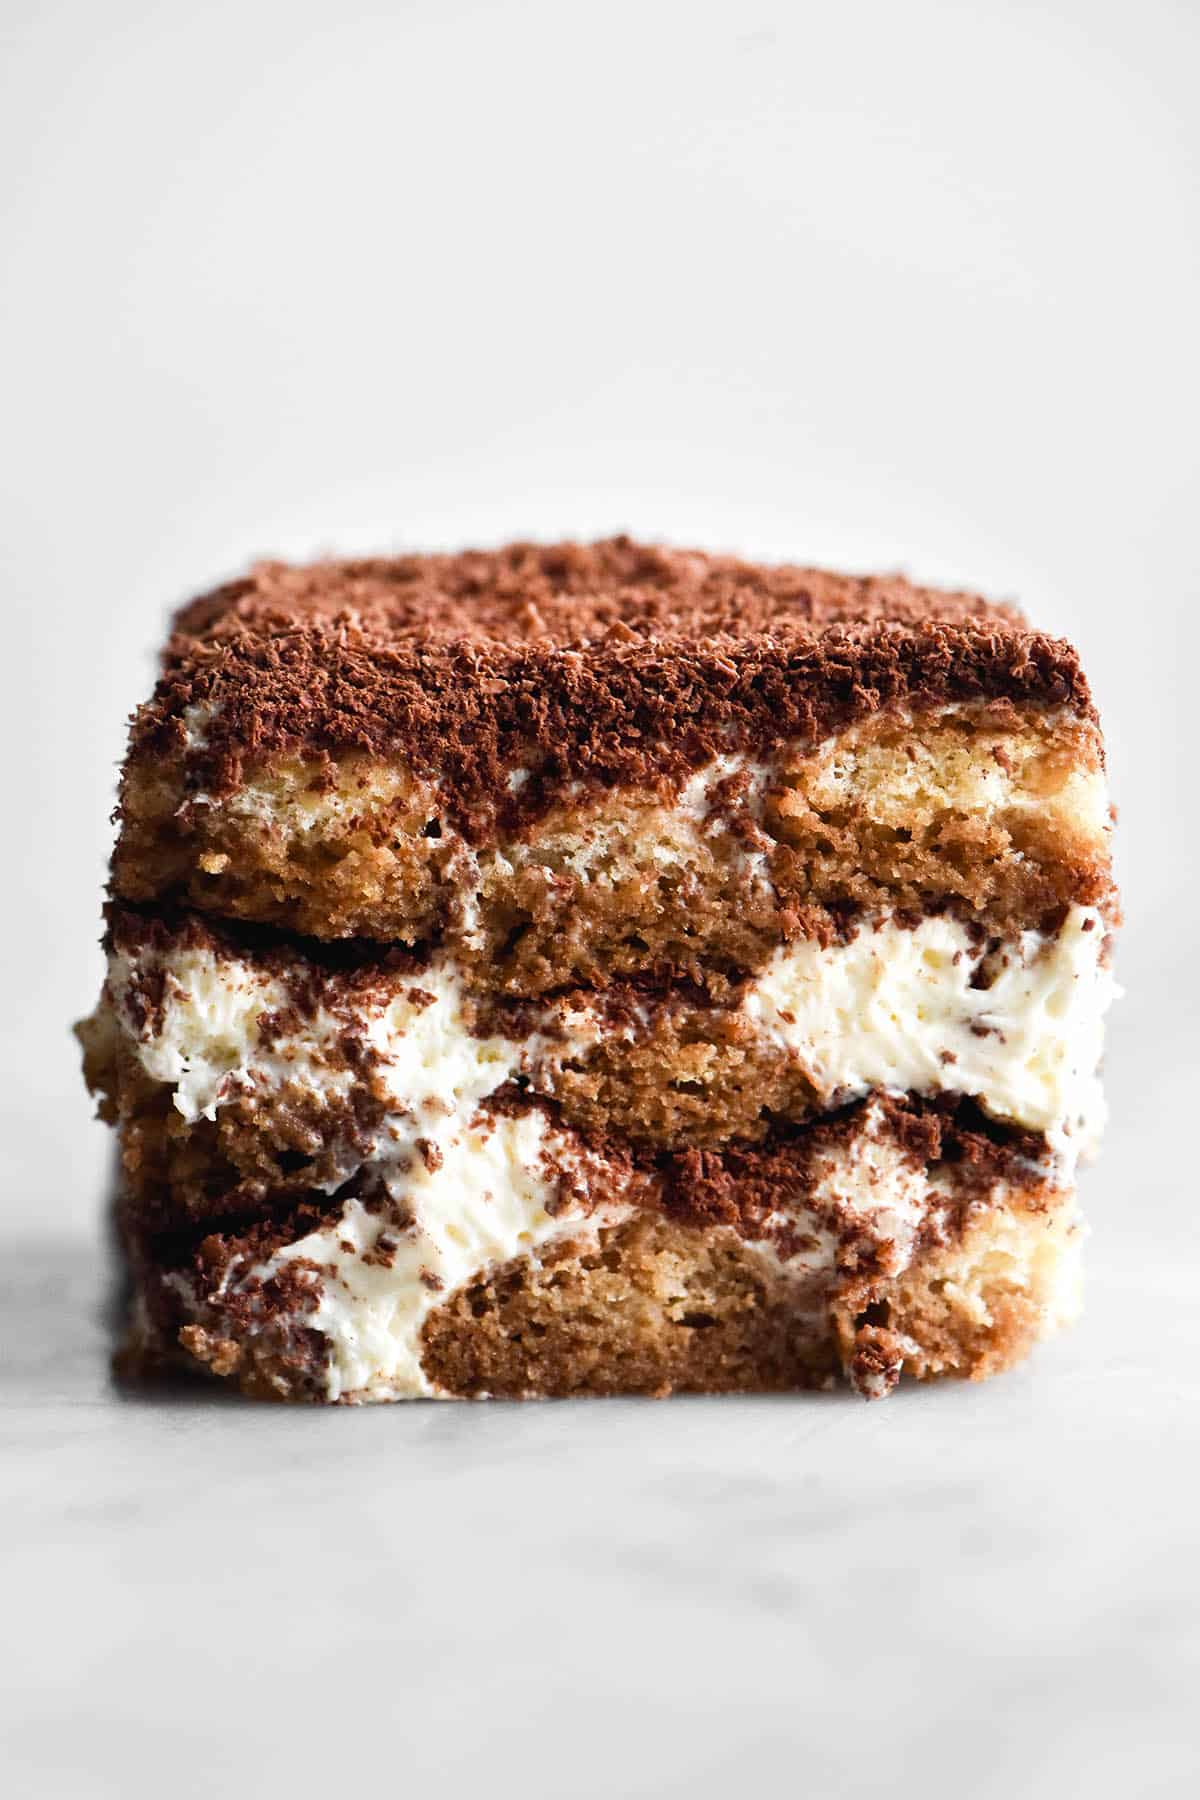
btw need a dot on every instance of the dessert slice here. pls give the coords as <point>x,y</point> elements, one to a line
<point>603,970</point>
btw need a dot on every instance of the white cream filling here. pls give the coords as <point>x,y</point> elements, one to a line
<point>895,1009</point>
<point>485,1203</point>
<point>207,1044</point>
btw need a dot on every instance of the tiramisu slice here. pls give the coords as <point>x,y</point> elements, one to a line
<point>603,970</point>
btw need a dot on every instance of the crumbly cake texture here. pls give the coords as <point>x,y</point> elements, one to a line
<point>603,969</point>
<point>340,750</point>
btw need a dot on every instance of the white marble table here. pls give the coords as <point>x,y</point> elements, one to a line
<point>986,1591</point>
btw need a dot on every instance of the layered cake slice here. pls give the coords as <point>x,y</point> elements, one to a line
<point>603,970</point>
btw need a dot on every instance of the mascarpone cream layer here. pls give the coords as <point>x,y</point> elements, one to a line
<point>918,1007</point>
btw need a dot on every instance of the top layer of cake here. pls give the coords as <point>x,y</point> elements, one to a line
<point>615,664</point>
<point>581,761</point>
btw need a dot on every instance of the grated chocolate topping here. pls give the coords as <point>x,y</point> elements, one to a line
<point>587,666</point>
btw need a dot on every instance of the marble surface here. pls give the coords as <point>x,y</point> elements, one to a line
<point>985,1590</point>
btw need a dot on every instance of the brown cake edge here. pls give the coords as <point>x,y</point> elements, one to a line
<point>607,1320</point>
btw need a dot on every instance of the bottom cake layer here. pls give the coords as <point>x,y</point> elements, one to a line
<point>899,1237</point>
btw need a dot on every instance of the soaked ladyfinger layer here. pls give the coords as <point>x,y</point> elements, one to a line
<point>1002,811</point>
<point>583,762</point>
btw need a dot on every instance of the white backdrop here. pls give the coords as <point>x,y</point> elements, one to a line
<point>880,285</point>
